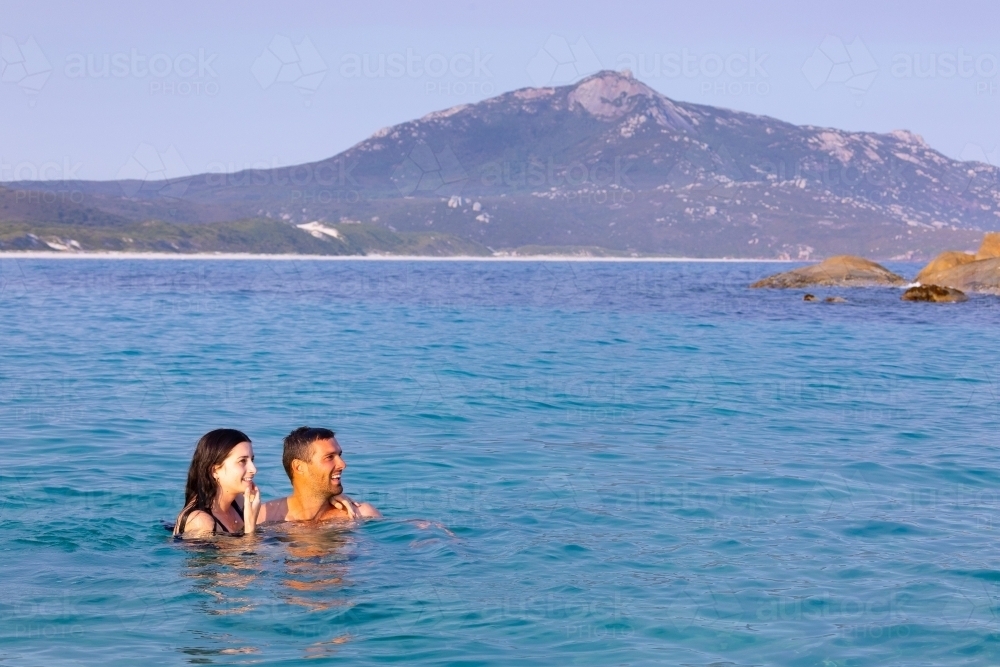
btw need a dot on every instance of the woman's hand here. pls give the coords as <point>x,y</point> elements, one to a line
<point>251,508</point>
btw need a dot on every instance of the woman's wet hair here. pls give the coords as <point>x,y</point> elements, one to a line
<point>298,445</point>
<point>211,451</point>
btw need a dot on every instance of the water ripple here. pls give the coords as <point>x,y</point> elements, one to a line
<point>585,463</point>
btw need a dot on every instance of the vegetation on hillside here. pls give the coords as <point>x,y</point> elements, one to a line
<point>256,236</point>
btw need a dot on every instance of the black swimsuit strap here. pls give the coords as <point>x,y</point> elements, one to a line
<point>219,523</point>
<point>184,517</point>
<point>182,522</point>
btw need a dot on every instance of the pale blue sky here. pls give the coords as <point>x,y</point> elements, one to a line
<point>221,85</point>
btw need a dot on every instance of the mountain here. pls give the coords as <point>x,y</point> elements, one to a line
<point>606,166</point>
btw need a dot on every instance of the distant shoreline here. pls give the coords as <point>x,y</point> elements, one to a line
<point>368,258</point>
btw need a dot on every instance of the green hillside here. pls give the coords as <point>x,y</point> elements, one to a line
<point>256,236</point>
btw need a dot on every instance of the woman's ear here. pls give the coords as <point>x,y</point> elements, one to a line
<point>215,472</point>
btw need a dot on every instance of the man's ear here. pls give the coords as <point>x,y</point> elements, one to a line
<point>299,466</point>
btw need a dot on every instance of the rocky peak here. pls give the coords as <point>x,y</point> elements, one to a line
<point>908,137</point>
<point>611,95</point>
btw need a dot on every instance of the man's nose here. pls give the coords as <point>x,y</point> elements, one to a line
<point>340,463</point>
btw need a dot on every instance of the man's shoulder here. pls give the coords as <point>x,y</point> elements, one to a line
<point>368,511</point>
<point>351,508</point>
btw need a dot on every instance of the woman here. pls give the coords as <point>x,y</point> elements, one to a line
<point>221,471</point>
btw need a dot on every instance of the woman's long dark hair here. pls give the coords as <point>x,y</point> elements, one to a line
<point>211,451</point>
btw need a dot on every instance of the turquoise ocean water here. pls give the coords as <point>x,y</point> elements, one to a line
<point>579,463</point>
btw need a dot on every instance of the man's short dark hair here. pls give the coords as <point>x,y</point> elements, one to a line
<point>298,445</point>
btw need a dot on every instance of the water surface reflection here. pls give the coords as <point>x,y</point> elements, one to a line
<point>292,578</point>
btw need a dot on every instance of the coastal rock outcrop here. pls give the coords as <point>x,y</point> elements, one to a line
<point>980,276</point>
<point>838,271</point>
<point>966,272</point>
<point>946,260</point>
<point>934,294</point>
<point>990,247</point>
<point>829,299</point>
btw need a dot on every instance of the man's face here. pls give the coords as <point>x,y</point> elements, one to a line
<point>322,470</point>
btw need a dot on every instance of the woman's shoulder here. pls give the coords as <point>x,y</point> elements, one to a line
<point>198,522</point>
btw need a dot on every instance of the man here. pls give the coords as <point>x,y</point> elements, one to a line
<point>312,459</point>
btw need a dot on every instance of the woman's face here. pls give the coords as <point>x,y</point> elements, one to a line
<point>237,470</point>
